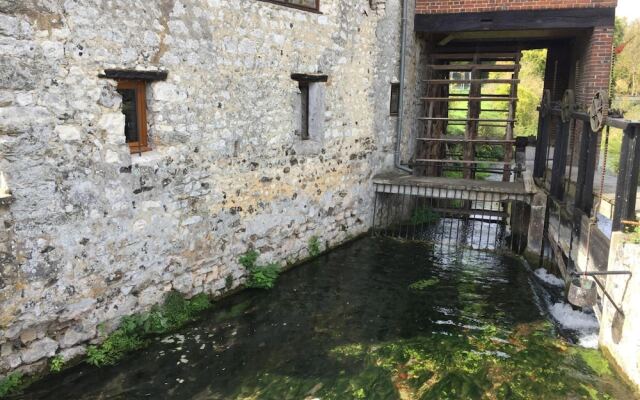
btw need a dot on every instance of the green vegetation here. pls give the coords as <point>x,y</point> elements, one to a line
<point>594,360</point>
<point>136,329</point>
<point>314,246</point>
<point>260,276</point>
<point>424,284</point>
<point>528,363</point>
<point>228,281</point>
<point>530,91</point>
<point>634,235</point>
<point>56,364</point>
<point>11,384</point>
<point>424,215</point>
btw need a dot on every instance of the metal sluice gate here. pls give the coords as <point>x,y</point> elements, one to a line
<point>453,217</point>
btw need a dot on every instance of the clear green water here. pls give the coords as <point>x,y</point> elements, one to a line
<point>377,319</point>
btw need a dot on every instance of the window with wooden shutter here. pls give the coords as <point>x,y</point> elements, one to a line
<point>134,108</point>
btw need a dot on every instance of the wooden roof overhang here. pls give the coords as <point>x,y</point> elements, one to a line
<point>527,20</point>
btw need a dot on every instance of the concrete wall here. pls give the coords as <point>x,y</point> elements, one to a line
<point>94,233</point>
<point>620,333</point>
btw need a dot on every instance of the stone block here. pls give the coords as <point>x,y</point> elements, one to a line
<point>38,350</point>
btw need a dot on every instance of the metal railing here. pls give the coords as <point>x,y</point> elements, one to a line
<point>552,162</point>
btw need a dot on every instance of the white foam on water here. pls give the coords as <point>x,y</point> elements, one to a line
<point>590,341</point>
<point>572,319</point>
<point>551,279</point>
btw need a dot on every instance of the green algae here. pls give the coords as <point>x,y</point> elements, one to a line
<point>595,361</point>
<point>424,284</point>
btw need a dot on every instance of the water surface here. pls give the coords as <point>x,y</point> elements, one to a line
<point>376,319</point>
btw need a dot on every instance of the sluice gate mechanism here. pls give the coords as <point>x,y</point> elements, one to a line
<point>467,188</point>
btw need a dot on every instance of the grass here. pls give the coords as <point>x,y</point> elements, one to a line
<point>135,330</point>
<point>260,276</point>
<point>10,384</point>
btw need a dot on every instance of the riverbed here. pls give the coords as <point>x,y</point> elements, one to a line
<point>375,319</point>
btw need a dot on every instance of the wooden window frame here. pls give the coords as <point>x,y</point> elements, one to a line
<point>284,3</point>
<point>140,87</point>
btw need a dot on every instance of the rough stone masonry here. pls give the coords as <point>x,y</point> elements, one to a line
<point>92,232</point>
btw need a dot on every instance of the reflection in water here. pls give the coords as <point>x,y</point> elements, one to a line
<point>377,319</point>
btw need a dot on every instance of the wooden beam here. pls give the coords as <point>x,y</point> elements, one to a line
<point>627,186</point>
<point>134,75</point>
<point>586,169</point>
<point>461,81</point>
<point>310,77</point>
<point>570,18</point>
<point>472,67</point>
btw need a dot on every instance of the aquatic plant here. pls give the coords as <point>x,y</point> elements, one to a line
<point>263,276</point>
<point>134,330</point>
<point>11,384</point>
<point>56,364</point>
<point>424,215</point>
<point>314,246</point>
<point>424,284</point>
<point>260,276</point>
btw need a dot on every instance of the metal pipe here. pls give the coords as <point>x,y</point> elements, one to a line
<point>399,126</point>
<point>596,273</point>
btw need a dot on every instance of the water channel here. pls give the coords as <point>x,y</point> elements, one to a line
<point>375,319</point>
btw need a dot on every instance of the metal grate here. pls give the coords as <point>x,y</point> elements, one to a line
<point>452,217</point>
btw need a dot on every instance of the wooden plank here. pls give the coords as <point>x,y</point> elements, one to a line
<point>464,119</point>
<point>472,185</point>
<point>456,140</point>
<point>507,56</point>
<point>310,77</point>
<point>464,81</point>
<point>134,75</point>
<point>469,98</point>
<point>586,169</point>
<point>471,67</point>
<point>627,187</point>
<point>469,162</point>
<point>569,18</point>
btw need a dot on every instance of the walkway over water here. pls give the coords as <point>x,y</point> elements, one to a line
<point>447,188</point>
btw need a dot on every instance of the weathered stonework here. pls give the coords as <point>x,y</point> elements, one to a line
<point>620,332</point>
<point>94,233</point>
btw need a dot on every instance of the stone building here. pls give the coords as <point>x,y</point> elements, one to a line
<point>100,225</point>
<point>147,145</point>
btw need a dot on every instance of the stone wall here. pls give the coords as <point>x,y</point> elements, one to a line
<point>94,233</point>
<point>620,332</point>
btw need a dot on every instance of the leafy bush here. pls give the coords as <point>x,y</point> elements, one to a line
<point>260,276</point>
<point>314,246</point>
<point>133,331</point>
<point>11,384</point>
<point>263,277</point>
<point>56,364</point>
<point>248,259</point>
